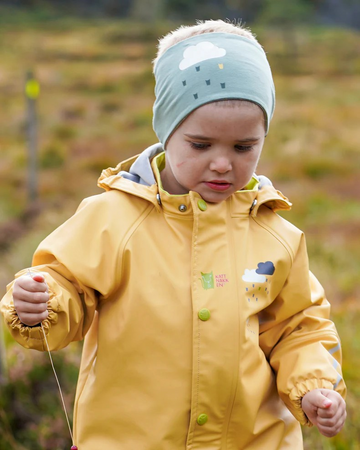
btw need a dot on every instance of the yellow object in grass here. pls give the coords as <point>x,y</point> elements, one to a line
<point>32,89</point>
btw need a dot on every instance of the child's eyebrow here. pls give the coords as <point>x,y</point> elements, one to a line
<point>198,136</point>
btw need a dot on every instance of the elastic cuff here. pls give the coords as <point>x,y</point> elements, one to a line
<point>297,393</point>
<point>29,331</point>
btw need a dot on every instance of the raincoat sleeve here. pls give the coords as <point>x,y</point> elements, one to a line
<point>80,263</point>
<point>299,340</point>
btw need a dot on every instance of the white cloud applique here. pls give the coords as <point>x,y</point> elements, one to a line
<point>203,51</point>
<point>252,276</point>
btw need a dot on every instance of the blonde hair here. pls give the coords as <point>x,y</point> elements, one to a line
<point>201,27</point>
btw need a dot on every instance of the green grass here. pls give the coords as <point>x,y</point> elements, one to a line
<point>95,109</point>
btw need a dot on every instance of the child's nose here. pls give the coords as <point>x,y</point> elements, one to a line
<point>221,164</point>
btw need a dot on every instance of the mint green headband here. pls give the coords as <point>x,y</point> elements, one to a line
<point>206,68</point>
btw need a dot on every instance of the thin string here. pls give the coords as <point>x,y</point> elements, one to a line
<point>56,377</point>
<point>58,383</point>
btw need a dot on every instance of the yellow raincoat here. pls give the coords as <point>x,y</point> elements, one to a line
<point>202,326</point>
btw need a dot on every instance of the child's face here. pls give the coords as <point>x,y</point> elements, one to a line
<point>215,151</point>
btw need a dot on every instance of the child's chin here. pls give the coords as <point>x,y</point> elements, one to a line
<point>216,198</point>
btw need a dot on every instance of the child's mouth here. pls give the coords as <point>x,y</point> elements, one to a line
<point>218,185</point>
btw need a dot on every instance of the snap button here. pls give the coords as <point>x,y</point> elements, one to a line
<point>204,314</point>
<point>202,419</point>
<point>202,205</point>
<point>253,205</point>
<point>182,208</point>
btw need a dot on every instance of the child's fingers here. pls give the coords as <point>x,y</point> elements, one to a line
<point>317,399</point>
<point>28,283</point>
<point>31,296</point>
<point>38,277</point>
<point>327,412</point>
<point>33,319</point>
<point>336,411</point>
<point>337,403</point>
<point>331,427</point>
<point>30,299</point>
<point>329,432</point>
<point>31,312</point>
<point>329,422</point>
<point>24,307</point>
<point>38,282</point>
<point>326,409</point>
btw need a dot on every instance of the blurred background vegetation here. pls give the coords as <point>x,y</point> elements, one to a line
<point>93,62</point>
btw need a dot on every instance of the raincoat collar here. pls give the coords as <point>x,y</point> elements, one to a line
<point>140,176</point>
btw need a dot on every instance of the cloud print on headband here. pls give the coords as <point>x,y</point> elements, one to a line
<point>200,52</point>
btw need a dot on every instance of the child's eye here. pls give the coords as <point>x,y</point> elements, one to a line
<point>244,148</point>
<point>198,145</point>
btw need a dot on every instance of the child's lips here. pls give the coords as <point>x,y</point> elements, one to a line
<point>218,185</point>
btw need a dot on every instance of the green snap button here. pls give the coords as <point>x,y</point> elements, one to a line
<point>204,314</point>
<point>202,205</point>
<point>202,419</point>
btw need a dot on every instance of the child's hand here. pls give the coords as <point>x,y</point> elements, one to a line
<point>30,296</point>
<point>325,409</point>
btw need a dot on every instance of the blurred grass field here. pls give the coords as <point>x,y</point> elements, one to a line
<point>95,109</point>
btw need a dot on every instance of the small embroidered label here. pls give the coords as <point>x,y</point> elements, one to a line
<point>210,281</point>
<point>207,280</point>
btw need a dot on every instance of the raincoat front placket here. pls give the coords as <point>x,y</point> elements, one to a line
<point>215,324</point>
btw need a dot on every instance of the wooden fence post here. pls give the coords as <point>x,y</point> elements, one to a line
<point>32,90</point>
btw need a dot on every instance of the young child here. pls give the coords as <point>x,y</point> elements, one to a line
<point>203,327</point>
